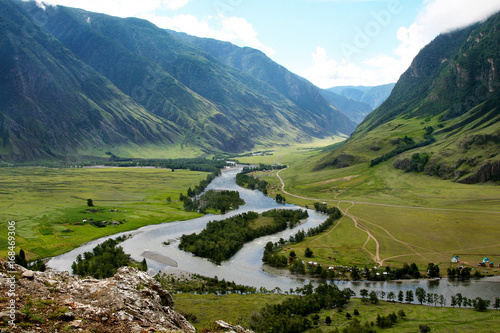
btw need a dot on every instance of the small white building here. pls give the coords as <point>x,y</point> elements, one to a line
<point>454,259</point>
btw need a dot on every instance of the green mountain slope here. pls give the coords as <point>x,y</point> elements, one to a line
<point>295,88</point>
<point>53,105</point>
<point>224,108</point>
<point>442,117</point>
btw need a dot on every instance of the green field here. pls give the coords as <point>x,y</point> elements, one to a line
<point>49,205</point>
<point>238,309</point>
<point>394,217</point>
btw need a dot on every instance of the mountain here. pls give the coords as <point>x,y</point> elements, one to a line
<point>256,64</point>
<point>442,117</point>
<point>115,304</point>
<point>355,110</point>
<point>189,94</point>
<point>373,96</point>
<point>52,104</point>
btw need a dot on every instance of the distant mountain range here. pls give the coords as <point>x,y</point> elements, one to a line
<point>373,96</point>
<point>442,117</point>
<point>76,82</point>
<point>355,102</point>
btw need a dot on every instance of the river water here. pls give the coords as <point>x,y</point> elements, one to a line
<point>246,266</point>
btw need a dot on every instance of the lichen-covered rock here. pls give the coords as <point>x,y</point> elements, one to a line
<point>131,301</point>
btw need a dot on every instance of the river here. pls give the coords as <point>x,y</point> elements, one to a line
<point>246,266</point>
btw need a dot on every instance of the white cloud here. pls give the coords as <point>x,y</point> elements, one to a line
<point>236,30</point>
<point>327,72</point>
<point>437,16</point>
<point>440,16</point>
<point>124,8</point>
<point>232,29</point>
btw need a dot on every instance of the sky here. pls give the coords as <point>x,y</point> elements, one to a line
<point>329,42</point>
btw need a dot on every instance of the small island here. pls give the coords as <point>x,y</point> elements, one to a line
<point>220,240</point>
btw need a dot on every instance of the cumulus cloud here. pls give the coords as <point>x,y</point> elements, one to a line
<point>328,72</point>
<point>236,30</point>
<point>440,16</point>
<point>437,16</point>
<point>232,29</point>
<point>124,8</point>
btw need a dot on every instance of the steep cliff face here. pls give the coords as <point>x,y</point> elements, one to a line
<point>131,301</point>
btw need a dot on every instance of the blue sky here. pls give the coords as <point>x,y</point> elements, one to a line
<point>329,42</point>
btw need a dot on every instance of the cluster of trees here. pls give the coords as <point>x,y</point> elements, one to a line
<point>418,162</point>
<point>406,272</point>
<point>291,314</point>
<point>386,321</point>
<point>199,284</point>
<point>408,144</point>
<point>273,258</point>
<point>37,265</point>
<point>193,164</point>
<point>478,304</point>
<point>462,273</point>
<point>280,199</point>
<point>290,216</point>
<point>220,240</point>
<point>217,200</point>
<point>407,296</point>
<point>202,185</point>
<point>324,208</point>
<point>104,260</point>
<point>245,180</point>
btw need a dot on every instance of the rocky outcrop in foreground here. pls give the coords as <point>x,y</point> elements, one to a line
<point>51,301</point>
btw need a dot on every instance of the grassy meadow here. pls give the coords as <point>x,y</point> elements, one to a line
<point>49,204</point>
<point>413,217</point>
<point>238,309</point>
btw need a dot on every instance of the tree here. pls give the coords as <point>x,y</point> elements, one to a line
<point>348,315</point>
<point>364,295</point>
<point>497,303</point>
<point>280,199</point>
<point>442,300</point>
<point>424,328</point>
<point>355,274</point>
<point>401,313</point>
<point>433,270</point>
<point>328,320</point>
<point>391,296</point>
<point>308,253</point>
<point>90,202</point>
<point>481,304</point>
<point>20,259</point>
<point>409,296</point>
<point>373,297</point>
<point>459,299</point>
<point>144,265</point>
<point>356,312</point>
<point>401,296</point>
<point>453,301</point>
<point>420,294</point>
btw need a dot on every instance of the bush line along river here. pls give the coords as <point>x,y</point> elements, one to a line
<point>246,266</point>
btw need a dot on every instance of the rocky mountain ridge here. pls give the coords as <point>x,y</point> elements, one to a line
<point>52,301</point>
